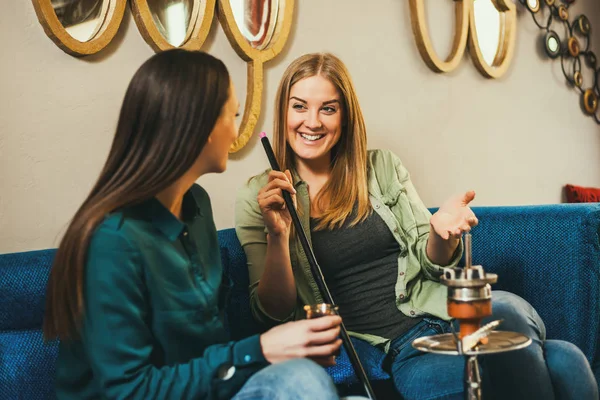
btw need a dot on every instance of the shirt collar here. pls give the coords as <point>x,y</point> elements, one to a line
<point>165,221</point>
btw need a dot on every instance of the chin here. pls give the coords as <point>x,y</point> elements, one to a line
<point>309,154</point>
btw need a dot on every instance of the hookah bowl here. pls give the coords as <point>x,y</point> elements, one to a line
<point>469,302</point>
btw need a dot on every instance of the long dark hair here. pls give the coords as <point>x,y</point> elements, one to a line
<point>169,111</point>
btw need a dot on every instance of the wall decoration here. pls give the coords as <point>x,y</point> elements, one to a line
<point>572,46</point>
<point>474,21</point>
<point>165,24</point>
<point>257,30</point>
<point>80,27</point>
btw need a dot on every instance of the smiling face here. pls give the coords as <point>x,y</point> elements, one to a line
<point>314,118</point>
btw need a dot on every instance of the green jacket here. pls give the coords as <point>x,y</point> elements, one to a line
<point>152,327</point>
<point>394,198</point>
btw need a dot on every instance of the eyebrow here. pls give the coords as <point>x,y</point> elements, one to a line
<point>324,103</point>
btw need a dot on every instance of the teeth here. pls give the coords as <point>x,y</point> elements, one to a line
<point>311,137</point>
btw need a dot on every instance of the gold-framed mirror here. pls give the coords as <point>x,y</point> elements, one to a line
<point>420,29</point>
<point>487,26</point>
<point>165,24</point>
<point>492,35</point>
<point>257,30</point>
<point>80,27</point>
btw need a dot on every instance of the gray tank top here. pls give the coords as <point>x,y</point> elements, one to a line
<point>360,266</point>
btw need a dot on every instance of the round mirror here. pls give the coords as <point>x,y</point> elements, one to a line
<point>553,44</point>
<point>533,5</point>
<point>256,20</point>
<point>81,19</point>
<point>487,24</point>
<point>172,18</point>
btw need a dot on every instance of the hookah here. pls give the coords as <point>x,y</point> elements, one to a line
<point>469,302</point>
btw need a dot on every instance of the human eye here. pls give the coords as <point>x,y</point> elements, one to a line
<point>298,106</point>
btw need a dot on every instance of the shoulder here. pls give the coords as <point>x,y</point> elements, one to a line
<point>386,171</point>
<point>250,189</point>
<point>199,193</point>
<point>381,159</point>
<point>202,199</point>
<point>116,234</point>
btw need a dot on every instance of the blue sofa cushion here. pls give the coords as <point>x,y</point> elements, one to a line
<point>27,365</point>
<point>23,278</point>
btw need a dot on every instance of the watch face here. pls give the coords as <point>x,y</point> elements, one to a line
<point>225,371</point>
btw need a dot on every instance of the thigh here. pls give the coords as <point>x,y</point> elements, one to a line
<point>297,379</point>
<point>426,376</point>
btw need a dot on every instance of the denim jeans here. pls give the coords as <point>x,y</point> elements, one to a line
<point>297,379</point>
<point>546,369</point>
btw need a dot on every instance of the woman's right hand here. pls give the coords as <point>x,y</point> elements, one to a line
<point>272,206</point>
<point>316,339</point>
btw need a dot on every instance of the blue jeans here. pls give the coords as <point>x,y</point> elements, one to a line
<point>546,369</point>
<point>297,379</point>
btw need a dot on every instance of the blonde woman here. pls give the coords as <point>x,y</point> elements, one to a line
<point>379,247</point>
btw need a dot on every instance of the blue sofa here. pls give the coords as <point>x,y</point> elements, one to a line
<point>549,255</point>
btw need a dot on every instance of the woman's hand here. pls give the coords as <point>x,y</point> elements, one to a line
<point>454,217</point>
<point>272,206</point>
<point>316,339</point>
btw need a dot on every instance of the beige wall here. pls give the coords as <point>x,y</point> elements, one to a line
<point>515,141</point>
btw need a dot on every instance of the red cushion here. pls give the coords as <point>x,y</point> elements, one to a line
<point>580,194</point>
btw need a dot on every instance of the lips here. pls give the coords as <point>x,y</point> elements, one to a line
<point>311,138</point>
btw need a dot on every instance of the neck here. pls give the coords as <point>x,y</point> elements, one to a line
<point>172,196</point>
<point>317,170</point>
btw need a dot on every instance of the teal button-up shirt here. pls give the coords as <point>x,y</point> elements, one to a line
<point>152,321</point>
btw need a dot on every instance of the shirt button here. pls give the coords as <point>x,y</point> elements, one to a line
<point>225,372</point>
<point>412,313</point>
<point>247,358</point>
<point>401,273</point>
<point>395,230</point>
<point>377,206</point>
<point>401,297</point>
<point>185,233</point>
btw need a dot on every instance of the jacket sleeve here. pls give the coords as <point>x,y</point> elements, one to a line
<point>251,232</point>
<point>118,342</point>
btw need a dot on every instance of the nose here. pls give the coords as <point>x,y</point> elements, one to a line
<point>312,121</point>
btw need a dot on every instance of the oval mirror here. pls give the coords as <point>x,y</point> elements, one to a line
<point>257,30</point>
<point>80,27</point>
<point>487,24</point>
<point>173,19</point>
<point>166,24</point>
<point>256,20</point>
<point>492,37</point>
<point>421,31</point>
<point>81,18</point>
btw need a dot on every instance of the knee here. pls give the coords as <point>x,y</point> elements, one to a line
<point>303,377</point>
<point>517,315</point>
<point>570,371</point>
<point>565,356</point>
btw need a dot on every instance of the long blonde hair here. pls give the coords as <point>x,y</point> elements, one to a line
<point>347,185</point>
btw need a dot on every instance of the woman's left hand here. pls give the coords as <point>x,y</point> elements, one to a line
<point>454,217</point>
